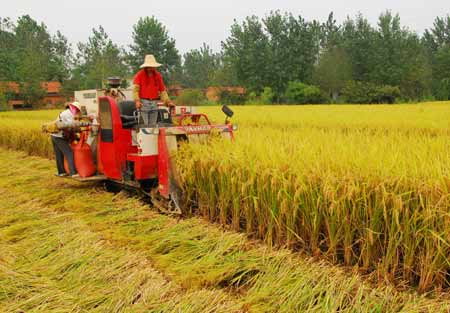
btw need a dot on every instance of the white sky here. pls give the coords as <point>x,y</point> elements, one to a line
<point>196,21</point>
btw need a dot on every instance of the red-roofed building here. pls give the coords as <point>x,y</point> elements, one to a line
<point>174,90</point>
<point>52,98</point>
<point>213,93</point>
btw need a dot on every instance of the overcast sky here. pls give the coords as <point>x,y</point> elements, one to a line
<point>193,22</point>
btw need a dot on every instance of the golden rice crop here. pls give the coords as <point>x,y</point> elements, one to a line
<point>366,186</point>
<point>21,131</point>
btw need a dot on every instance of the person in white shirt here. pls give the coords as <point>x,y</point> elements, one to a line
<point>61,144</point>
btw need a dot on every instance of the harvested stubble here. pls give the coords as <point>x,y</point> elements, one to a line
<point>69,247</point>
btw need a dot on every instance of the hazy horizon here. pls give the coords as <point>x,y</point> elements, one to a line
<point>191,24</point>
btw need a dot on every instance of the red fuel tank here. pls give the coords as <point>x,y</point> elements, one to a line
<point>84,161</point>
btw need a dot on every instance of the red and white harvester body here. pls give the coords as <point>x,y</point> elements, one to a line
<point>134,147</point>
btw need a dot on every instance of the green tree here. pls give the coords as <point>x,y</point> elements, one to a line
<point>199,67</point>
<point>273,51</point>
<point>333,71</point>
<point>358,42</point>
<point>366,92</point>
<point>246,52</point>
<point>225,74</point>
<point>300,93</point>
<point>30,56</point>
<point>389,54</point>
<point>151,37</point>
<point>331,33</point>
<point>293,49</point>
<point>98,59</point>
<point>389,47</point>
<point>267,96</point>
<point>191,97</point>
<point>416,77</point>
<point>439,35</point>
<point>442,73</point>
<point>8,47</point>
<point>61,59</point>
<point>437,45</point>
<point>34,46</point>
<point>3,100</point>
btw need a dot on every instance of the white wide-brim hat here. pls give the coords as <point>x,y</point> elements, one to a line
<point>76,104</point>
<point>150,61</point>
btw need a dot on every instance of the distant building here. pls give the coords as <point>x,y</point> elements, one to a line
<point>51,99</point>
<point>174,90</point>
<point>213,93</point>
<point>53,96</point>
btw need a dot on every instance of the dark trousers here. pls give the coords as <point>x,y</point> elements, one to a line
<point>62,149</point>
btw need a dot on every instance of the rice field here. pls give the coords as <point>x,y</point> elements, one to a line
<point>362,186</point>
<point>71,247</point>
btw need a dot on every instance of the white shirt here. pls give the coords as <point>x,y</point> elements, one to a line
<point>65,117</point>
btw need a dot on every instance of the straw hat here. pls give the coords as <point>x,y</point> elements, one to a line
<point>150,61</point>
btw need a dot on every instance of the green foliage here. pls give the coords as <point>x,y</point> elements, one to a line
<point>231,97</point>
<point>359,92</point>
<point>246,50</point>
<point>293,48</point>
<point>252,99</point>
<point>260,52</point>
<point>199,67</point>
<point>437,46</point>
<point>32,92</point>
<point>98,59</point>
<point>442,89</point>
<point>333,71</point>
<point>388,94</point>
<point>29,55</point>
<point>191,97</point>
<point>61,58</point>
<point>358,41</point>
<point>224,75</point>
<point>362,92</point>
<point>300,93</point>
<point>151,37</point>
<point>267,96</point>
<point>8,46</point>
<point>3,101</point>
<point>272,51</point>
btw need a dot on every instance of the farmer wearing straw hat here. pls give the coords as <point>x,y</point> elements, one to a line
<point>60,142</point>
<point>149,85</point>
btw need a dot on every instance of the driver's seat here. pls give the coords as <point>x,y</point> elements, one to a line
<point>127,109</point>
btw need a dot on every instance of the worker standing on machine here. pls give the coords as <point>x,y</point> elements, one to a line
<point>61,140</point>
<point>149,86</point>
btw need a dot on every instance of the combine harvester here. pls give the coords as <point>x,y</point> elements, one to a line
<point>133,148</point>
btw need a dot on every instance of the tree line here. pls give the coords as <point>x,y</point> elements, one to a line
<point>280,58</point>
